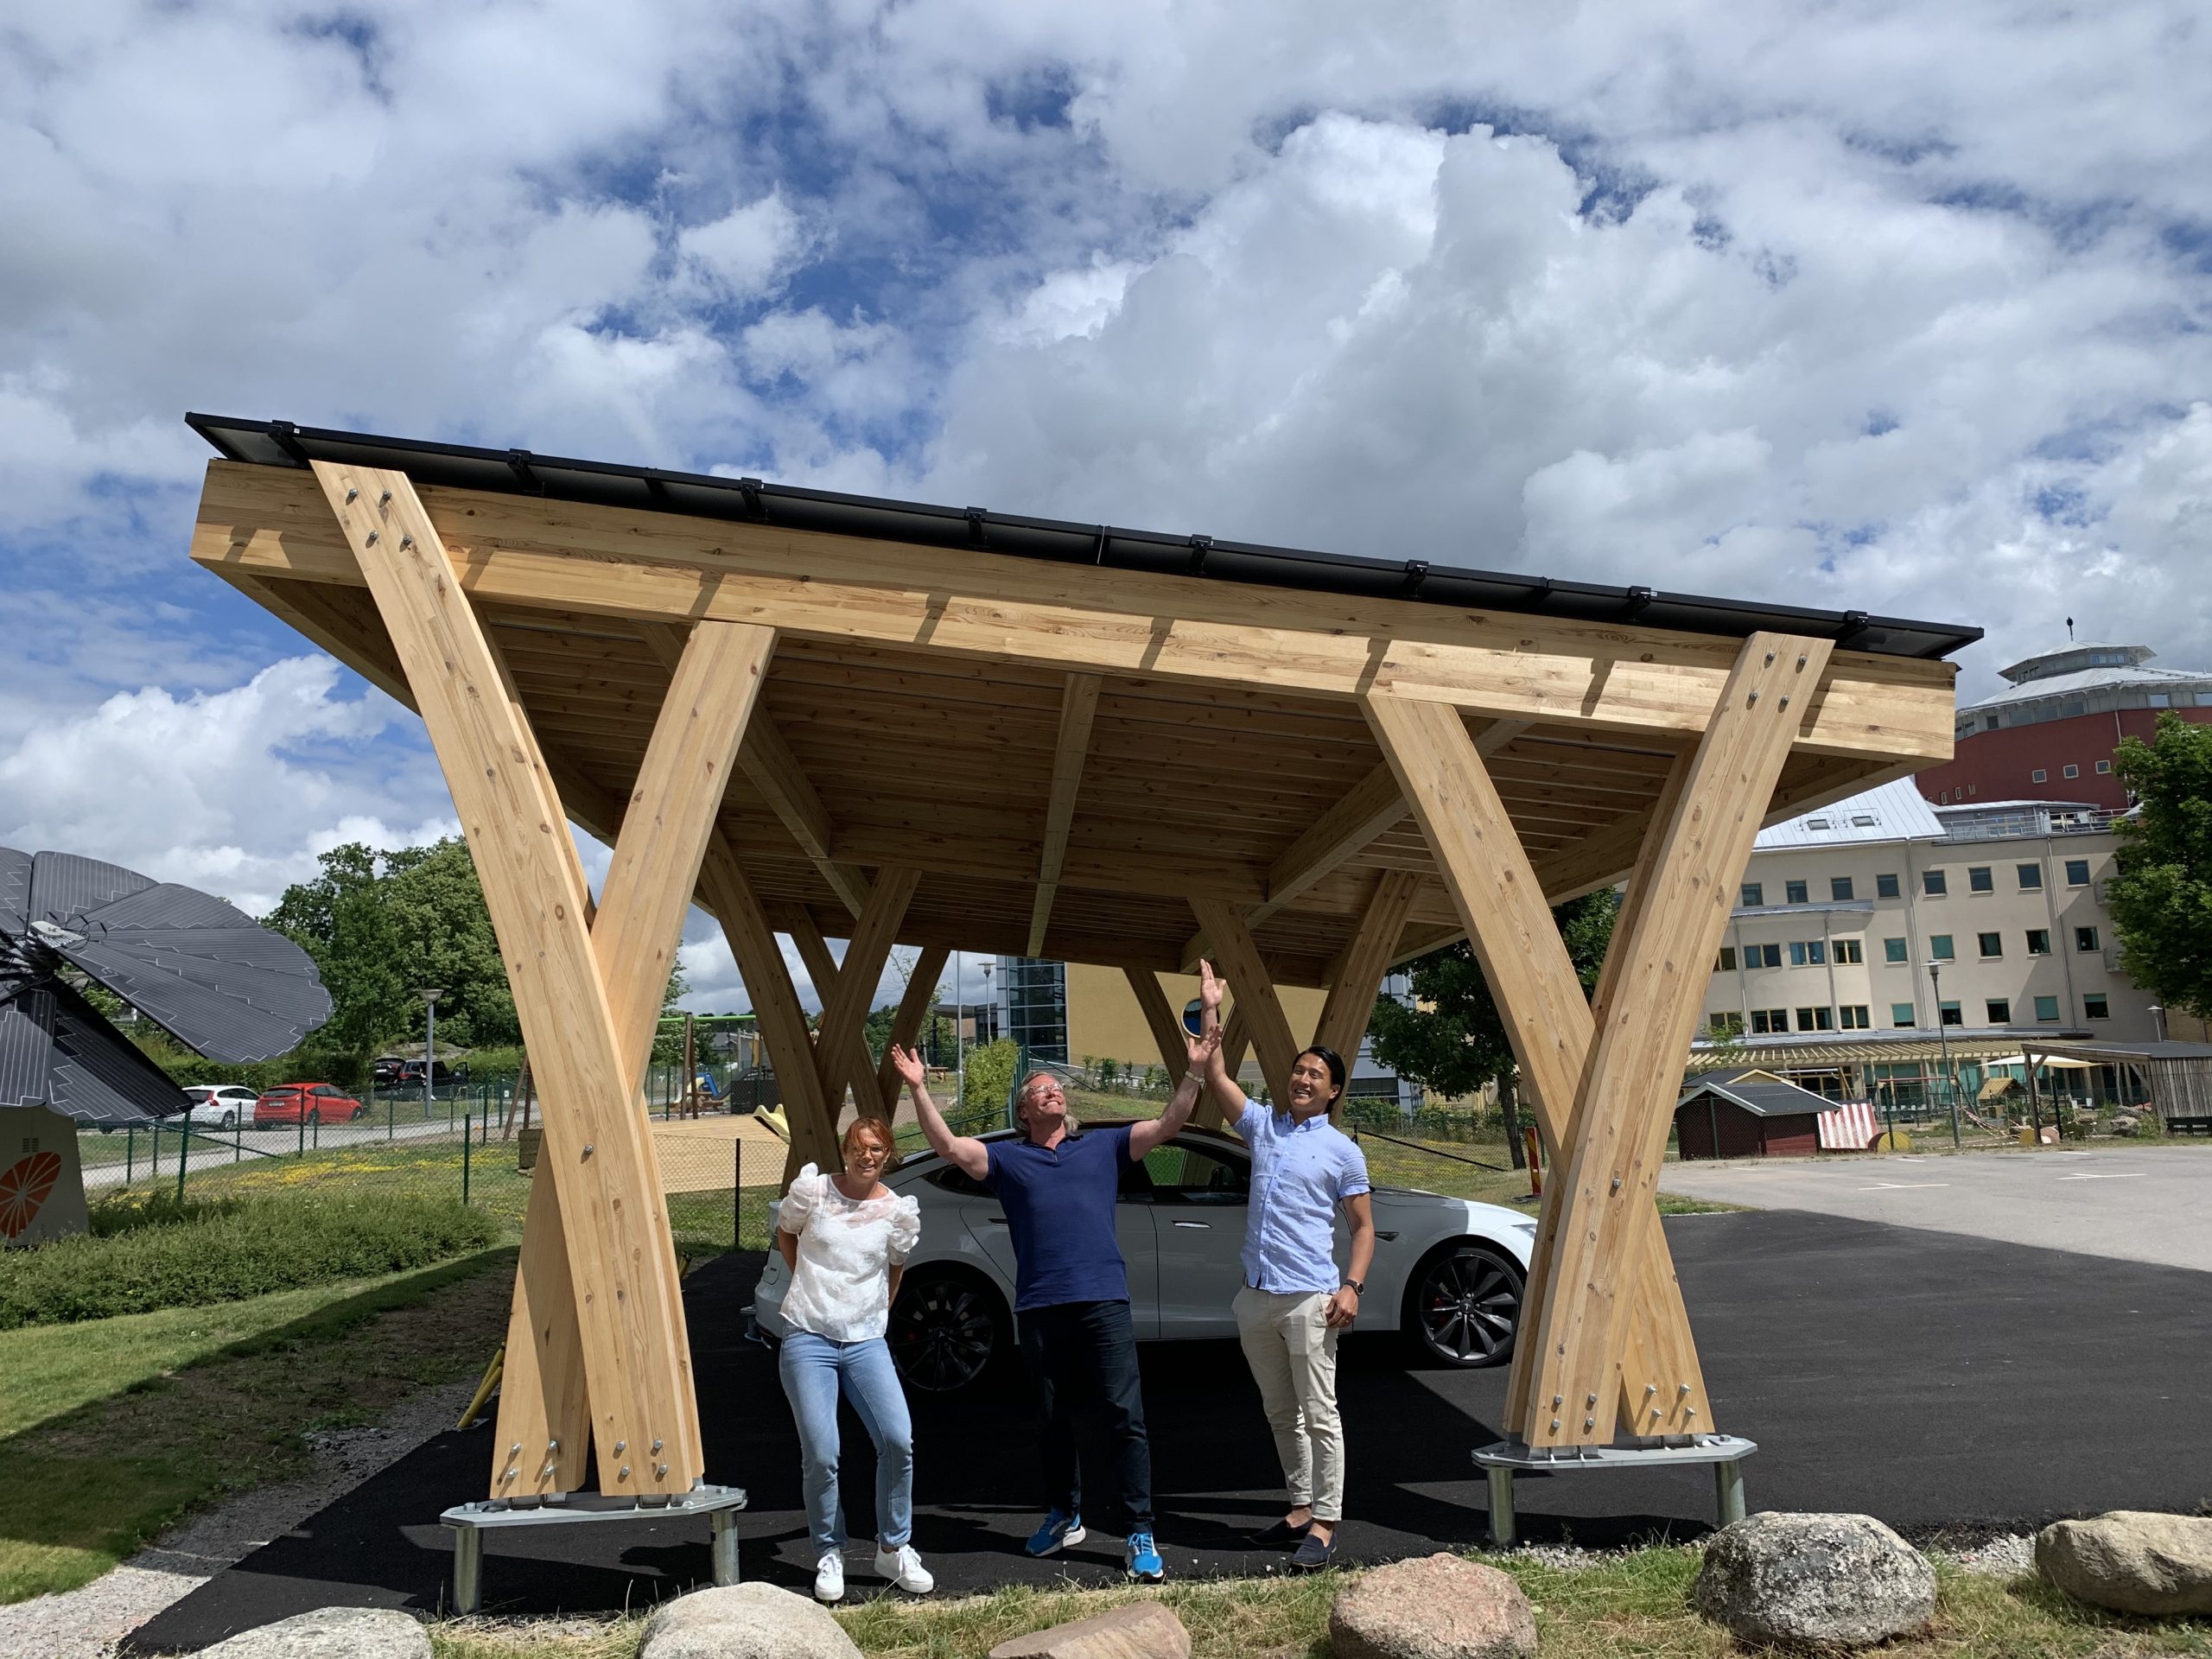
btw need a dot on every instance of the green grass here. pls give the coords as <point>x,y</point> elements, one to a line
<point>146,1252</point>
<point>111,1430</point>
<point>1636,1603</point>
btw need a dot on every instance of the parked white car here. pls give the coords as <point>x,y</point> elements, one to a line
<point>1448,1272</point>
<point>220,1105</point>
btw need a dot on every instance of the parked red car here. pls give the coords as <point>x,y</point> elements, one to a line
<point>289,1103</point>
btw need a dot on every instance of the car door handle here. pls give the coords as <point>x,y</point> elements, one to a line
<point>995,1221</point>
<point>1202,1226</point>
<point>1390,1237</point>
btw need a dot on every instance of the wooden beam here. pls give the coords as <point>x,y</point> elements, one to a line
<point>1351,1000</point>
<point>913,1007</point>
<point>1254,988</point>
<point>527,551</point>
<point>1617,1135</point>
<point>620,1260</point>
<point>1160,1018</point>
<point>842,1058</point>
<point>1078,705</point>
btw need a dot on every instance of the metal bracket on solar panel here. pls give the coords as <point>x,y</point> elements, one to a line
<point>1540,589</point>
<point>1854,623</point>
<point>1200,546</point>
<point>284,435</point>
<point>1637,598</point>
<point>518,463</point>
<point>750,489</point>
<point>1416,573</point>
<point>976,516</point>
<point>1098,555</point>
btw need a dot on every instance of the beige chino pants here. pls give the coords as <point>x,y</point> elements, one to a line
<point>1291,1350</point>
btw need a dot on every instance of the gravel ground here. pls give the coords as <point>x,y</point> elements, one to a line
<point>86,1624</point>
<point>1998,1555</point>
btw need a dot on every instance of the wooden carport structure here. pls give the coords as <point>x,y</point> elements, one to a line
<point>833,716</point>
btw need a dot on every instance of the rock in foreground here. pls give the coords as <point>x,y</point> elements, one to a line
<point>1438,1608</point>
<point>1844,1580</point>
<point>744,1621</point>
<point>2132,1561</point>
<point>330,1633</point>
<point>1141,1629</point>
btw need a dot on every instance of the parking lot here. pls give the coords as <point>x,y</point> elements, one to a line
<point>2134,1204</point>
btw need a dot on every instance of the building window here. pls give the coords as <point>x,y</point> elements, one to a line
<point>1848,951</point>
<point>2069,772</point>
<point>1853,1018</point>
<point>1808,952</point>
<point>1769,956</point>
<point>2046,1009</point>
<point>1770,1022</point>
<point>2085,939</point>
<point>1950,1014</point>
<point>2038,941</point>
<point>2160,700</point>
<point>1979,880</point>
<point>2096,1006</point>
<point>2103,766</point>
<point>1999,1010</point>
<point>1816,1019</point>
<point>1901,1014</point>
<point>1993,944</point>
<point>1886,887</point>
<point>1939,946</point>
<point>1932,883</point>
<point>1795,892</point>
<point>1037,999</point>
<point>1727,963</point>
<point>1754,894</point>
<point>2031,877</point>
<point>1893,950</point>
<point>2077,872</point>
<point>1725,1026</point>
<point>1840,888</point>
<point>2038,776</point>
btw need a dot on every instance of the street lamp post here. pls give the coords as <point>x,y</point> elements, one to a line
<point>1943,1040</point>
<point>430,1051</point>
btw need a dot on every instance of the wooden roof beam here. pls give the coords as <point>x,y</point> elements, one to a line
<point>1078,707</point>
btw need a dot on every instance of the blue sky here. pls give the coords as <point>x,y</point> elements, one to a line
<point>1872,307</point>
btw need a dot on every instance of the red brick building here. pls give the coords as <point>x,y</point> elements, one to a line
<point>2050,735</point>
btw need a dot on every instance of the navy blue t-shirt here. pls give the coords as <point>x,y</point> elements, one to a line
<point>1059,1208</point>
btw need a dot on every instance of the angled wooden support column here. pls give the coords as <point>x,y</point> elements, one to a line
<point>776,1007</point>
<point>1359,976</point>
<point>636,930</point>
<point>1238,958</point>
<point>841,1059</point>
<point>1546,1017</point>
<point>1161,1019</point>
<point>1078,707</point>
<point>1617,1135</point>
<point>621,1265</point>
<point>906,1023</point>
<point>846,1057</point>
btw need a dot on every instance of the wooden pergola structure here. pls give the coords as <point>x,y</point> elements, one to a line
<point>835,717</point>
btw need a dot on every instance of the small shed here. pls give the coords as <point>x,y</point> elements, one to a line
<point>1748,1113</point>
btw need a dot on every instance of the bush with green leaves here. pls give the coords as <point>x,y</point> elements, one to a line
<point>990,1076</point>
<point>149,1253</point>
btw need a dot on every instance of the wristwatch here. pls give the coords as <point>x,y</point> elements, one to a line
<point>1357,1287</point>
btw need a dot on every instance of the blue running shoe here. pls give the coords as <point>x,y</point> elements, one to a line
<point>1058,1531</point>
<point>1142,1560</point>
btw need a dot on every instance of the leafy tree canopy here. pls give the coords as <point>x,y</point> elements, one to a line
<point>1453,1041</point>
<point>2161,900</point>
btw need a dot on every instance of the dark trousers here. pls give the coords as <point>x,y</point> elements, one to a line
<point>1083,1355</point>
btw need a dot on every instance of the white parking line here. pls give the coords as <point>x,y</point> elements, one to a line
<point>2114,1175</point>
<point>1903,1186</point>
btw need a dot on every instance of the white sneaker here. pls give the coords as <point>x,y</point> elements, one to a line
<point>830,1577</point>
<point>904,1568</point>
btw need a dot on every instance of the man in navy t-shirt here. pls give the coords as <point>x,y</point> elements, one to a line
<point>1058,1186</point>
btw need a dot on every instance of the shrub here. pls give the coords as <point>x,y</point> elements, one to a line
<point>149,1253</point>
<point>990,1076</point>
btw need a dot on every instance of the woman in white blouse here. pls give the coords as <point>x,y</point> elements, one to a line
<point>846,1238</point>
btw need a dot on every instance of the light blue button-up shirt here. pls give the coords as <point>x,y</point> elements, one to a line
<point>1300,1173</point>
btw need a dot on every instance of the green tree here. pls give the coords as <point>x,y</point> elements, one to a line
<point>2161,900</point>
<point>339,919</point>
<point>1453,1040</point>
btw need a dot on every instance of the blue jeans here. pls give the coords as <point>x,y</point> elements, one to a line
<point>814,1368</point>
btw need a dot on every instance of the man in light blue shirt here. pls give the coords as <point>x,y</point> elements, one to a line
<point>1295,1304</point>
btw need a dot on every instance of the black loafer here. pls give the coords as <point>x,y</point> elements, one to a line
<point>1281,1536</point>
<point>1311,1555</point>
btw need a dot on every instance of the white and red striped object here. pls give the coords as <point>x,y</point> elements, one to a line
<point>1849,1128</point>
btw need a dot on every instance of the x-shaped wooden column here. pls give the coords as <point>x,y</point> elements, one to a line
<point>598,1350</point>
<point>1604,1342</point>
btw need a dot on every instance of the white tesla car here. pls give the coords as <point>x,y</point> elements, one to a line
<point>1448,1272</point>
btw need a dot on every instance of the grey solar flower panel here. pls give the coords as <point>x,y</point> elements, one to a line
<point>58,1051</point>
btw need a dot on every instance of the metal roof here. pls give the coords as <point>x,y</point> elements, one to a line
<point>650,489</point>
<point>2084,681</point>
<point>1895,811</point>
<point>1758,1093</point>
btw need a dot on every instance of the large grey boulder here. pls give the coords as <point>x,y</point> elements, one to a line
<point>1842,1580</point>
<point>744,1621</point>
<point>1439,1607</point>
<point>1138,1630</point>
<point>2132,1560</point>
<point>330,1633</point>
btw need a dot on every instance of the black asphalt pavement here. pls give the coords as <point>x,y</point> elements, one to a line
<point>1934,1380</point>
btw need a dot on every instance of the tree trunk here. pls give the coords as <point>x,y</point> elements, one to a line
<point>1510,1106</point>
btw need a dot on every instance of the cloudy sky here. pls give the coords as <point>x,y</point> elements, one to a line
<point>1902,308</point>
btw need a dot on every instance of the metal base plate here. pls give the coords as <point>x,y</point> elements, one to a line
<point>1694,1448</point>
<point>570,1507</point>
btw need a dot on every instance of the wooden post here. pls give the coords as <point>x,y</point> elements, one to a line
<point>848,1056</point>
<point>1254,988</point>
<point>1359,976</point>
<point>841,1044</point>
<point>1078,706</point>
<point>914,1008</point>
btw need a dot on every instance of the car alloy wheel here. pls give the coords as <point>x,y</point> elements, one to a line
<point>230,1119</point>
<point>945,1331</point>
<point>1467,1305</point>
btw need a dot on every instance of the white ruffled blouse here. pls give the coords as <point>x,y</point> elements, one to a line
<point>841,1287</point>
